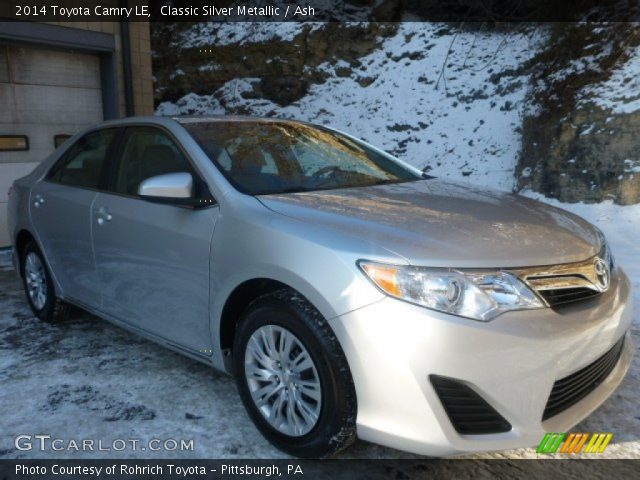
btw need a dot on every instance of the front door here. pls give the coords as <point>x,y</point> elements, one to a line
<point>153,258</point>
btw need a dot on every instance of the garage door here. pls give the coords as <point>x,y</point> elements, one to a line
<point>44,96</point>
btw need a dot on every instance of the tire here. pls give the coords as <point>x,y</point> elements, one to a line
<point>46,306</point>
<point>284,313</point>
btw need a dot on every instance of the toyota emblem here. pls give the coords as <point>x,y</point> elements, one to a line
<point>602,273</point>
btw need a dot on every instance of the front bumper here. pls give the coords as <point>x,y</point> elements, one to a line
<point>512,362</point>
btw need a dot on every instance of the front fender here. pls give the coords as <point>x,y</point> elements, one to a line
<point>319,264</point>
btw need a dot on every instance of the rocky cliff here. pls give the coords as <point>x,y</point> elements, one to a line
<point>582,142</point>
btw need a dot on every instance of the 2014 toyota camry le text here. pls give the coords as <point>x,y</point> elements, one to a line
<point>347,292</point>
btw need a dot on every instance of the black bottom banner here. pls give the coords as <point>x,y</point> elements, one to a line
<point>317,469</point>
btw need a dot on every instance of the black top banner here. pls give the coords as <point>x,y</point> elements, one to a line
<point>320,10</point>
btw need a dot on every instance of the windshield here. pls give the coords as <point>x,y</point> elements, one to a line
<point>276,157</point>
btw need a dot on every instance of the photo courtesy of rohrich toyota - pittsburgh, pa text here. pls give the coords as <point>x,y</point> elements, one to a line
<point>321,239</point>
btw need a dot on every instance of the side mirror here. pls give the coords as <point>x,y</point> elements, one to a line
<point>170,187</point>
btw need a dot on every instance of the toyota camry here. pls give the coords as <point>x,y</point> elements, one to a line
<point>349,294</point>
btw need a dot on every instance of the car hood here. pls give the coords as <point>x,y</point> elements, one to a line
<point>442,224</point>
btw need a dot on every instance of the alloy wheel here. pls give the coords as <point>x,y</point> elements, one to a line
<point>283,380</point>
<point>36,280</point>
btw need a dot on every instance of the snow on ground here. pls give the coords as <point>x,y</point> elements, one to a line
<point>439,99</point>
<point>85,378</point>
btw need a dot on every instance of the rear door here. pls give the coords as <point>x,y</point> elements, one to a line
<point>153,258</point>
<point>60,207</point>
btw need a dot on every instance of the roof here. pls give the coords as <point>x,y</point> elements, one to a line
<point>167,121</point>
<point>183,119</point>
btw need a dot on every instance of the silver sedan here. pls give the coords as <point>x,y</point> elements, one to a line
<point>347,292</point>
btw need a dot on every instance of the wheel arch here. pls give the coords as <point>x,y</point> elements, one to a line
<point>23,237</point>
<point>238,300</point>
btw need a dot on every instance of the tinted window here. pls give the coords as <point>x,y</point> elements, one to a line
<point>147,152</point>
<point>82,165</point>
<point>273,157</point>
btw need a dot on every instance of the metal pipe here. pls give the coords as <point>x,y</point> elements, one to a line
<point>126,63</point>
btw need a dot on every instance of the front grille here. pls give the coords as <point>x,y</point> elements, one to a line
<point>568,391</point>
<point>468,412</point>
<point>560,296</point>
<point>566,283</point>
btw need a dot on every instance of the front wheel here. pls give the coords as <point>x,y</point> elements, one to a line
<point>293,377</point>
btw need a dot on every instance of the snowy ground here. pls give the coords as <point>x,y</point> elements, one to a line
<point>87,379</point>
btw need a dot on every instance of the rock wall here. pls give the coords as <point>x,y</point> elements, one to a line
<point>582,141</point>
<point>285,68</point>
<point>590,155</point>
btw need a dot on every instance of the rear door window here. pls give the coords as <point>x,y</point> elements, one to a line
<point>83,164</point>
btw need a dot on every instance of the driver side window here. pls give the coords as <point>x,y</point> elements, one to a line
<point>147,152</point>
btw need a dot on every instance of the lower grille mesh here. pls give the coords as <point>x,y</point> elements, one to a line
<point>570,390</point>
<point>469,412</point>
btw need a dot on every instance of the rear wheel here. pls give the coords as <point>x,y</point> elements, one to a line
<point>38,286</point>
<point>293,376</point>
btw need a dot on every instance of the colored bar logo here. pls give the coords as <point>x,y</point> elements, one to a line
<point>574,443</point>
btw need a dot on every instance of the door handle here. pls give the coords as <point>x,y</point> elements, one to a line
<point>103,216</point>
<point>38,200</point>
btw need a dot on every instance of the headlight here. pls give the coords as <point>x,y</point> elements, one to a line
<point>466,293</point>
<point>605,252</point>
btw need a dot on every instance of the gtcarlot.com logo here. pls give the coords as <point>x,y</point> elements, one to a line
<point>574,442</point>
<point>49,443</point>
